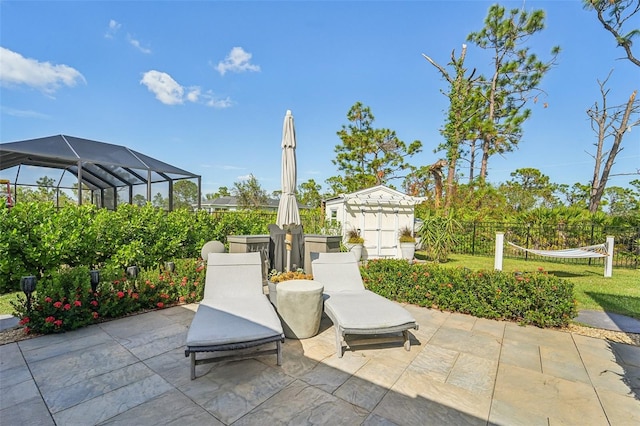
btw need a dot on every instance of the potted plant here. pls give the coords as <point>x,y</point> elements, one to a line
<point>407,243</point>
<point>276,277</point>
<point>355,242</point>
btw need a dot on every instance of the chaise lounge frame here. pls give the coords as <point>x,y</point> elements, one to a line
<point>352,308</point>
<point>233,297</point>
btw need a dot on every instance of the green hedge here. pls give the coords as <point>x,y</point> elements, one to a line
<point>38,239</point>
<point>529,298</point>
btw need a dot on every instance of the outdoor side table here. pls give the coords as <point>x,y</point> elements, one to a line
<point>299,304</point>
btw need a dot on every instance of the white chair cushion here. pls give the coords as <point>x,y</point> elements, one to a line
<point>233,320</point>
<point>365,310</point>
<point>337,271</point>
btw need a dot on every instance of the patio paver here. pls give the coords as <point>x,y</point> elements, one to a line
<point>460,370</point>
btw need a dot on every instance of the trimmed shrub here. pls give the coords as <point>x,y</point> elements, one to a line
<point>529,298</point>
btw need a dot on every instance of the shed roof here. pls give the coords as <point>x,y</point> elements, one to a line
<point>379,194</point>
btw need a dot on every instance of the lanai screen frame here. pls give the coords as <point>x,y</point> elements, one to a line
<point>97,165</point>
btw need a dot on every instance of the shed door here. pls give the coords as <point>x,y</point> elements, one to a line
<point>379,231</point>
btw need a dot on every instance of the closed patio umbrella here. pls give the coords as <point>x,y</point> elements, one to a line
<point>288,213</point>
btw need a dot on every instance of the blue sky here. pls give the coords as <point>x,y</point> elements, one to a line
<point>205,85</point>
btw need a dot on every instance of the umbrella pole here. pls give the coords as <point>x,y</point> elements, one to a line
<point>288,240</point>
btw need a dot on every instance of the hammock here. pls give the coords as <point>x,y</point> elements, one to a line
<point>599,250</point>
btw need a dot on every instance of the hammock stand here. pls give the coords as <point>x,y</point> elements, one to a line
<point>595,251</point>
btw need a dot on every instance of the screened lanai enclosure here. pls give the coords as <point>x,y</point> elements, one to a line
<point>100,173</point>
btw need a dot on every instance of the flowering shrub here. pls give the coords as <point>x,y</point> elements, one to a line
<point>64,305</point>
<point>530,298</point>
<point>65,301</point>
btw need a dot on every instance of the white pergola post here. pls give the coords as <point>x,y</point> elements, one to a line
<point>497,263</point>
<point>608,263</point>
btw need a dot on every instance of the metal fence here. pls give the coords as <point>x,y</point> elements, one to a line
<point>478,238</point>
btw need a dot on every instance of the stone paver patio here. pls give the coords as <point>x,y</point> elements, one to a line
<point>460,370</point>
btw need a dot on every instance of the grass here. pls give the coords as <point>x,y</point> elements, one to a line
<point>5,302</point>
<point>619,294</point>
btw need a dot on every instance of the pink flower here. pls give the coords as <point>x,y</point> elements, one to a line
<point>57,305</point>
<point>27,330</point>
<point>77,303</point>
<point>47,299</point>
<point>24,321</point>
<point>134,295</point>
<point>49,319</point>
<point>160,305</point>
<point>67,307</point>
<point>120,295</point>
<point>57,323</point>
<point>94,302</point>
<point>95,315</point>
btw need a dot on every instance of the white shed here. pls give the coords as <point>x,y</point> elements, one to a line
<point>378,213</point>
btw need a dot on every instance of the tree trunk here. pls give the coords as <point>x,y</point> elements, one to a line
<point>596,196</point>
<point>472,161</point>
<point>486,147</point>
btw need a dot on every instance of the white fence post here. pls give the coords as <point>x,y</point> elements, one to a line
<point>497,263</point>
<point>608,263</point>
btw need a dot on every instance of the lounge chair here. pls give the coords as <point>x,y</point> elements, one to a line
<point>234,314</point>
<point>352,308</point>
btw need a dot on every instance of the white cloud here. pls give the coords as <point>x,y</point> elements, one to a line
<point>24,113</point>
<point>15,69</point>
<point>170,92</point>
<point>244,177</point>
<point>219,103</point>
<point>136,43</point>
<point>194,94</point>
<point>237,61</point>
<point>112,29</point>
<point>166,89</point>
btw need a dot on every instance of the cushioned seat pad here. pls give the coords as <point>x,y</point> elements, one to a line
<point>233,320</point>
<point>365,310</point>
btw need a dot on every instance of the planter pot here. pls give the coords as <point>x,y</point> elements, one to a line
<point>356,249</point>
<point>408,250</point>
<point>273,293</point>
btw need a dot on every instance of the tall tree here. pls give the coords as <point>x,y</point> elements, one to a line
<point>309,193</point>
<point>575,196</point>
<point>223,191</point>
<point>370,156</point>
<point>461,118</point>
<point>514,80</point>
<point>621,201</point>
<point>609,123</point>
<point>249,193</point>
<point>613,15</point>
<point>529,188</point>
<point>185,194</point>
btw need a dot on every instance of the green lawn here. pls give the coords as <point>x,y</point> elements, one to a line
<point>5,299</point>
<point>619,294</point>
